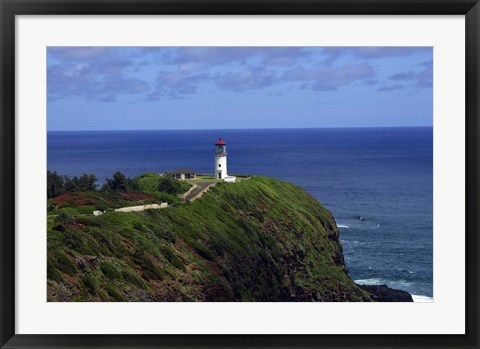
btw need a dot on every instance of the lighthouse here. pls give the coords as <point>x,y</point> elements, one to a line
<point>220,160</point>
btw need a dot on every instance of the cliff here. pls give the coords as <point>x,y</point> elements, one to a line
<point>257,240</point>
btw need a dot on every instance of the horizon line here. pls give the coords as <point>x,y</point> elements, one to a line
<point>236,129</point>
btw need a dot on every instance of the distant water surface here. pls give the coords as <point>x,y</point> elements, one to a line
<point>376,181</point>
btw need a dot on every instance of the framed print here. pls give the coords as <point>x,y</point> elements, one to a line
<point>239,174</point>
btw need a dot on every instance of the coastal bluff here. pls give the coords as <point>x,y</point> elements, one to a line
<point>256,240</point>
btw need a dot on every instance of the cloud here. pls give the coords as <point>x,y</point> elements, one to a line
<point>96,74</point>
<point>90,82</point>
<point>209,55</point>
<point>247,79</point>
<point>103,73</point>
<point>389,88</point>
<point>428,63</point>
<point>329,79</point>
<point>370,82</point>
<point>78,53</point>
<point>176,84</point>
<point>284,56</point>
<point>107,99</point>
<point>108,74</point>
<point>382,52</point>
<point>421,79</point>
<point>182,83</point>
<point>331,54</point>
<point>226,55</point>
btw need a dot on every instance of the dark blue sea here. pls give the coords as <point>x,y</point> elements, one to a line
<point>376,181</point>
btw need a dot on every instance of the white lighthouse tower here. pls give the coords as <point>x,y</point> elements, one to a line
<point>220,160</point>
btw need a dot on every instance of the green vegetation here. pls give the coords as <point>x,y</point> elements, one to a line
<point>118,191</point>
<point>256,240</point>
<point>86,202</point>
<point>152,182</point>
<point>210,178</point>
<point>204,178</point>
<point>120,182</point>
<point>148,182</point>
<point>58,185</point>
<point>168,184</point>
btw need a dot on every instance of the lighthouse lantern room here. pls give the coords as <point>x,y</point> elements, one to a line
<point>220,159</point>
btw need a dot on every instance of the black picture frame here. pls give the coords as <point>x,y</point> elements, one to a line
<point>11,8</point>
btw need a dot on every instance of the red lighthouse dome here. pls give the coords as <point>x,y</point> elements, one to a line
<point>220,142</point>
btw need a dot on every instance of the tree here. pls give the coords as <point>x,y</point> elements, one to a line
<point>58,185</point>
<point>86,182</point>
<point>55,184</point>
<point>132,185</point>
<point>168,184</point>
<point>120,182</point>
<point>70,186</point>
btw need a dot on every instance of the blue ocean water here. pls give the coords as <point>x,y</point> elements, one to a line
<point>376,181</point>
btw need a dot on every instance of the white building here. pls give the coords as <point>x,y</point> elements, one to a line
<point>183,173</point>
<point>220,171</point>
<point>220,159</point>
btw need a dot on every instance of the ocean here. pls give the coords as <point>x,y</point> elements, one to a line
<point>376,181</point>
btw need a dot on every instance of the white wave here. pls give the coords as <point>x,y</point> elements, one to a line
<point>352,242</point>
<point>373,281</point>
<point>343,226</point>
<point>422,299</point>
<point>398,284</point>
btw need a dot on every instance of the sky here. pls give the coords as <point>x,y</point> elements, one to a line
<point>149,88</point>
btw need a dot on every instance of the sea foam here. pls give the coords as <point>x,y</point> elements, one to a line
<point>373,281</point>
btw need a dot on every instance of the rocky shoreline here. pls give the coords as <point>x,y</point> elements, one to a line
<point>383,293</point>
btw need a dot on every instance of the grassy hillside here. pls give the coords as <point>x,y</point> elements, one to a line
<point>257,240</point>
<point>87,202</point>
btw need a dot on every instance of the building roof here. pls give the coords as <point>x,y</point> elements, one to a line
<point>182,171</point>
<point>220,142</point>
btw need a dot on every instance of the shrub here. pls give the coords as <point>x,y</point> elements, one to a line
<point>147,182</point>
<point>89,283</point>
<point>65,218</point>
<point>170,185</point>
<point>133,279</point>
<point>86,209</point>
<point>204,251</point>
<point>110,271</point>
<point>150,270</point>
<point>114,293</point>
<point>52,271</point>
<point>169,198</point>
<point>167,235</point>
<point>64,263</point>
<point>77,240</point>
<point>171,256</point>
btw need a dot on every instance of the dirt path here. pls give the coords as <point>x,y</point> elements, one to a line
<point>198,192</point>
